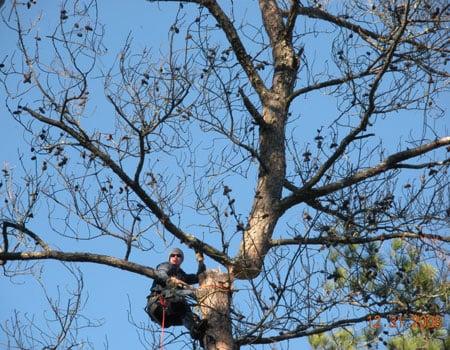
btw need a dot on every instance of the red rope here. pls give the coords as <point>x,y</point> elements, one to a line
<point>163,303</point>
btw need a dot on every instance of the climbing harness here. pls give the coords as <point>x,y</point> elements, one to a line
<point>167,308</point>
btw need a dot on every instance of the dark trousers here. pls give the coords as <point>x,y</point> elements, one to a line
<point>177,311</point>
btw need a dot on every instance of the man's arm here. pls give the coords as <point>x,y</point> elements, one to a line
<point>165,278</point>
<point>162,272</point>
<point>193,278</point>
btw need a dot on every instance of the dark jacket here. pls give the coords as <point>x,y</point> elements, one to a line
<point>166,270</point>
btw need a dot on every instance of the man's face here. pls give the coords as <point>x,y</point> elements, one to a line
<point>176,259</point>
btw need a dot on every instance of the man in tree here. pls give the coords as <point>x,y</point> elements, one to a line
<point>300,145</point>
<point>167,303</point>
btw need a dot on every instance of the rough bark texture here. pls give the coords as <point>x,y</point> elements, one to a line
<point>264,215</point>
<point>351,188</point>
<point>214,295</point>
<point>272,170</point>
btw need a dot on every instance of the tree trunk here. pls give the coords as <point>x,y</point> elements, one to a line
<point>272,148</point>
<point>214,295</point>
<point>264,215</point>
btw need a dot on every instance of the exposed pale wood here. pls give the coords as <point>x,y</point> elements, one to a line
<point>214,296</point>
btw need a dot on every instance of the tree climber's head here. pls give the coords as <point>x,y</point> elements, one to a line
<point>176,256</point>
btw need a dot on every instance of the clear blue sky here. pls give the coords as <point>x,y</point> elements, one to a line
<point>113,293</point>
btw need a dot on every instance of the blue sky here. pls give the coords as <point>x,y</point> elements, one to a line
<point>113,293</point>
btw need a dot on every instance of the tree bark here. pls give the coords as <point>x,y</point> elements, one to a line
<point>264,215</point>
<point>214,295</point>
<point>272,148</point>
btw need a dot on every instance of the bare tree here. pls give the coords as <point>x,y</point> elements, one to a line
<point>341,218</point>
<point>61,323</point>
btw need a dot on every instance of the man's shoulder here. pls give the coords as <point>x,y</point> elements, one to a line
<point>164,265</point>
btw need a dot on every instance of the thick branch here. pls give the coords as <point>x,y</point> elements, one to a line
<point>424,165</point>
<point>356,240</point>
<point>314,12</point>
<point>353,135</point>
<point>236,43</point>
<point>273,21</point>
<point>302,331</point>
<point>23,229</point>
<point>230,31</point>
<point>390,163</point>
<point>367,34</point>
<point>292,18</point>
<point>185,238</point>
<point>80,257</point>
<point>257,117</point>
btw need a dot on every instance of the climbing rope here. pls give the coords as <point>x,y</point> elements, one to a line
<point>163,303</point>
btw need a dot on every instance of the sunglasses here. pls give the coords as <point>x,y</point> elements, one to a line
<point>177,255</point>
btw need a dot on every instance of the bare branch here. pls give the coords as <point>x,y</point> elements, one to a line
<point>319,328</point>
<point>314,12</point>
<point>22,228</point>
<point>185,238</point>
<point>252,109</point>
<point>390,163</point>
<point>80,257</point>
<point>329,240</point>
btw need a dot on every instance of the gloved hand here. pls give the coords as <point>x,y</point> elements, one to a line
<point>174,282</point>
<point>199,256</point>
